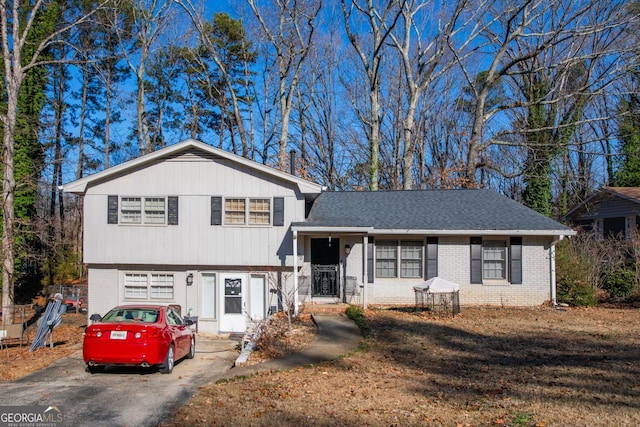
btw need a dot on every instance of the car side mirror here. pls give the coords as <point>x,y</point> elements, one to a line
<point>95,317</point>
<point>188,322</point>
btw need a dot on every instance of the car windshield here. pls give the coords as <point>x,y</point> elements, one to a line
<point>131,315</point>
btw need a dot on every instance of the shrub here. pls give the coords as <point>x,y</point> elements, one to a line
<point>573,275</point>
<point>620,283</point>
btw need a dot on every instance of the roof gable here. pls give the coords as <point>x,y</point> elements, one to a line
<point>184,151</point>
<point>452,211</point>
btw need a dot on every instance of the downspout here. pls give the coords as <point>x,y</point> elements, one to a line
<point>365,273</point>
<point>295,273</point>
<point>552,261</point>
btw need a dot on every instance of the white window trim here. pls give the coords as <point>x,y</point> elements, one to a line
<point>398,259</point>
<point>504,279</point>
<point>148,286</point>
<point>247,212</point>
<point>143,217</point>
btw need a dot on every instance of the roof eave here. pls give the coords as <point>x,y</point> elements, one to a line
<point>407,231</point>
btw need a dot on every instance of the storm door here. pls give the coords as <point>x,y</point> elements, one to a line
<point>232,318</point>
<point>325,260</point>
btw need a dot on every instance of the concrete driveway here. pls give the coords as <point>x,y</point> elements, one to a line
<point>121,396</point>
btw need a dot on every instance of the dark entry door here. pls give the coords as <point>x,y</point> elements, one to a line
<point>325,259</point>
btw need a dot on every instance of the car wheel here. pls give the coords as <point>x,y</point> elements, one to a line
<point>167,367</point>
<point>192,349</point>
<point>95,369</point>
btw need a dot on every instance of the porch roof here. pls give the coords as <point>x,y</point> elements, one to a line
<point>426,212</point>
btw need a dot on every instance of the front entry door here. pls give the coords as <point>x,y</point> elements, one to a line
<point>325,258</point>
<point>232,309</point>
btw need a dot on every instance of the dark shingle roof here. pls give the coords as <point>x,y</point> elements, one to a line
<point>426,210</point>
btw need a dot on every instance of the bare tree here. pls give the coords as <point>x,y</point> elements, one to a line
<point>422,54</point>
<point>290,34</point>
<point>380,21</point>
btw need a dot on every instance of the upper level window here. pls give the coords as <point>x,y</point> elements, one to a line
<point>494,259</point>
<point>236,211</point>
<point>143,210</point>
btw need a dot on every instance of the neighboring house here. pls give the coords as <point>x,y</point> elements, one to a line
<point>217,234</point>
<point>611,211</point>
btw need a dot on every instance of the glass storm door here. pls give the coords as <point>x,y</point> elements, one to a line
<point>232,318</point>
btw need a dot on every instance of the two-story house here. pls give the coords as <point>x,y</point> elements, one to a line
<point>229,239</point>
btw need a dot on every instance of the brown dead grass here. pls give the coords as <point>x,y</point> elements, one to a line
<point>17,362</point>
<point>485,367</point>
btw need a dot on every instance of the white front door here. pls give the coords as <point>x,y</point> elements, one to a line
<point>232,307</point>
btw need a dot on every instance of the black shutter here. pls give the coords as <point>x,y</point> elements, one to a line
<point>432,257</point>
<point>370,269</point>
<point>515,260</point>
<point>112,209</point>
<point>216,210</point>
<point>278,211</point>
<point>172,209</point>
<point>476,260</point>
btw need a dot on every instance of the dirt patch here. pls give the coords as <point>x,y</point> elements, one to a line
<point>17,362</point>
<point>485,367</point>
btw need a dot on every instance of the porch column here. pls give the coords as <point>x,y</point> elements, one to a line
<point>295,272</point>
<point>365,275</point>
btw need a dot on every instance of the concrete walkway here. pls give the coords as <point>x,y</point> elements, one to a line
<point>337,335</point>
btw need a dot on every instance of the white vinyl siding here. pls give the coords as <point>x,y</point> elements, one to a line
<point>494,259</point>
<point>141,285</point>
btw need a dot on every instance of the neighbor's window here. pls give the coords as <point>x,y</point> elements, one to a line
<point>143,285</point>
<point>386,258</point>
<point>132,212</point>
<point>258,212</point>
<point>494,259</point>
<point>411,259</point>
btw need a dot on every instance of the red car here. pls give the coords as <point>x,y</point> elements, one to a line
<point>138,335</point>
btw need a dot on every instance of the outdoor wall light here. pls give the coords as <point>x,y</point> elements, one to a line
<point>189,279</point>
<point>347,249</point>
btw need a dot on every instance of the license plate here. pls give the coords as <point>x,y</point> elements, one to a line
<point>118,335</point>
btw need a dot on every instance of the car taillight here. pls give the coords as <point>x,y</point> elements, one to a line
<point>93,333</point>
